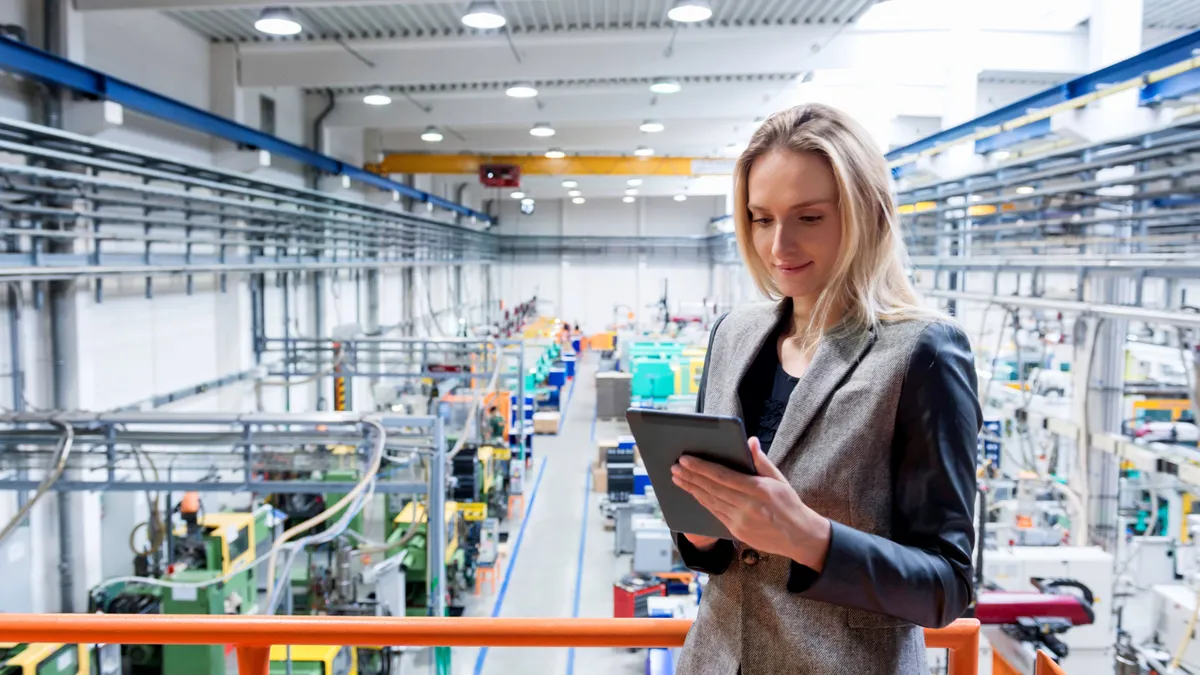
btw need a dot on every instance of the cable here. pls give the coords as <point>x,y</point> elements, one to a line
<point>55,472</point>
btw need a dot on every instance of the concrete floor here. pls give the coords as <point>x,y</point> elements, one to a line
<point>563,565</point>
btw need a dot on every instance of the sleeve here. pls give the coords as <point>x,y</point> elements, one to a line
<point>712,561</point>
<point>923,573</point>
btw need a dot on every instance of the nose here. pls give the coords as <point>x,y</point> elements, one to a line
<point>784,242</point>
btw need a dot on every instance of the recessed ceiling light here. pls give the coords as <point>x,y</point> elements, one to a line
<point>518,195</point>
<point>377,96</point>
<point>528,201</point>
<point>574,193</point>
<point>681,198</point>
<point>522,90</point>
<point>277,21</point>
<point>633,182</point>
<point>555,153</point>
<point>431,135</point>
<point>578,200</point>
<point>665,85</point>
<point>483,15</point>
<point>628,200</point>
<point>690,11</point>
<point>542,129</point>
<point>631,192</point>
<point>570,183</point>
<point>643,151</point>
<point>652,126</point>
<point>1025,189</point>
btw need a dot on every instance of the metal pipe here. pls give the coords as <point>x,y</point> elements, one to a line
<point>1163,317</point>
<point>436,524</point>
<point>318,130</point>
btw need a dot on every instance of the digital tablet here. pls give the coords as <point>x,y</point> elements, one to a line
<point>664,437</point>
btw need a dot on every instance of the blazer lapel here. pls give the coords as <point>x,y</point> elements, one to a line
<point>836,356</point>
<point>748,341</point>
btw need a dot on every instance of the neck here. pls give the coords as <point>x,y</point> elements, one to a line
<point>802,314</point>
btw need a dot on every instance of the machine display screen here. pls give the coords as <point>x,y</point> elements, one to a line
<point>239,544</point>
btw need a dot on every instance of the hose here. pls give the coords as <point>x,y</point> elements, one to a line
<point>55,472</point>
<point>368,476</point>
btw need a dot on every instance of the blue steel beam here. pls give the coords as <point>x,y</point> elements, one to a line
<point>1007,139</point>
<point>1178,86</point>
<point>18,57</point>
<point>1154,58</point>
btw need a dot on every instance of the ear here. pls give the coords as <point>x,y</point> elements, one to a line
<point>764,466</point>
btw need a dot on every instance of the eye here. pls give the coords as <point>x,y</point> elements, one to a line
<point>765,220</point>
<point>810,219</point>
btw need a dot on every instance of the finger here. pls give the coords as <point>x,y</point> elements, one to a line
<point>717,500</point>
<point>716,473</point>
<point>763,464</point>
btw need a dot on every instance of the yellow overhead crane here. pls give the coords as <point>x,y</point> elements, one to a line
<point>536,165</point>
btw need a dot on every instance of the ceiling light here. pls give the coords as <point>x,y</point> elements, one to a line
<point>631,192</point>
<point>1001,155</point>
<point>681,198</point>
<point>643,151</point>
<point>483,15</point>
<point>690,11</point>
<point>518,195</point>
<point>574,193</point>
<point>570,183</point>
<point>431,135</point>
<point>633,182</point>
<point>652,126</point>
<point>555,153</point>
<point>1025,189</point>
<point>277,21</point>
<point>628,200</point>
<point>528,201</point>
<point>578,200</point>
<point>522,90</point>
<point>377,96</point>
<point>542,129</point>
<point>665,85</point>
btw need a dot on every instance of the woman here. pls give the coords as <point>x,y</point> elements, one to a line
<point>862,406</point>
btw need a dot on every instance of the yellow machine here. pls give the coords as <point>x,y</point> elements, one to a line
<point>235,531</point>
<point>45,658</point>
<point>315,660</point>
<point>406,518</point>
<point>1164,406</point>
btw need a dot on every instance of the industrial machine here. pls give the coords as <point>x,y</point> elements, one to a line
<point>409,538</point>
<point>314,660</point>
<point>42,658</point>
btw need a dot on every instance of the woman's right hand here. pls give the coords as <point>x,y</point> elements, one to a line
<point>701,542</point>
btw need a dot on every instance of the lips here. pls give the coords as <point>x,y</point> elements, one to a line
<point>793,269</point>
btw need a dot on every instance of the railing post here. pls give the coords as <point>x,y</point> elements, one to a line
<point>253,660</point>
<point>964,658</point>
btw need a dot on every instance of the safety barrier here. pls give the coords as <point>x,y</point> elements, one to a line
<point>1047,666</point>
<point>252,636</point>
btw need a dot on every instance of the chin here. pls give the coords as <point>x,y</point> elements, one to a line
<point>789,288</point>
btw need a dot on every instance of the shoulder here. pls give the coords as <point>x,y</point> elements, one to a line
<point>745,319</point>
<point>937,349</point>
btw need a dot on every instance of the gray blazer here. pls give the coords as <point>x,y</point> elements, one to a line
<point>880,437</point>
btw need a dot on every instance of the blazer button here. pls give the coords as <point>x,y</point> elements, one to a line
<point>750,557</point>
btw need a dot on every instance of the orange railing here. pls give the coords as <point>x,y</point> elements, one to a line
<point>1046,666</point>
<point>253,636</point>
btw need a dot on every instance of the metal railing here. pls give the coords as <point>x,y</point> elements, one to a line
<point>253,636</point>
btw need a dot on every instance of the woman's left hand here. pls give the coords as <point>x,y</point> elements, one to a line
<point>763,512</point>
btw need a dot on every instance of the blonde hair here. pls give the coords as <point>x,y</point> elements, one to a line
<point>868,282</point>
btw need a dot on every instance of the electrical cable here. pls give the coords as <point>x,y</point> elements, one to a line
<point>55,472</point>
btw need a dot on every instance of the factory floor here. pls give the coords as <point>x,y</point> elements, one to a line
<point>559,560</point>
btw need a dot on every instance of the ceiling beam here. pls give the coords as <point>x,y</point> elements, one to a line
<point>567,166</point>
<point>99,5</point>
<point>627,53</point>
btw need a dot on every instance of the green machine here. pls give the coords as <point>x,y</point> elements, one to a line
<point>331,498</point>
<point>459,574</point>
<point>214,599</point>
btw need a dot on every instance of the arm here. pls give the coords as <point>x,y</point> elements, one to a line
<point>923,573</point>
<point>713,559</point>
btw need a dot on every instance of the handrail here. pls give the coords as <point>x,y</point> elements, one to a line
<point>254,635</point>
<point>1047,666</point>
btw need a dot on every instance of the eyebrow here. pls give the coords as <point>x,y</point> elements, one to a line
<point>801,205</point>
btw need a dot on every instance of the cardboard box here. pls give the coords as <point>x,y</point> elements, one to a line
<point>599,479</point>
<point>546,422</point>
<point>602,449</point>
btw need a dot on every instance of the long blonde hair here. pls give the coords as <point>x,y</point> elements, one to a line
<point>868,282</point>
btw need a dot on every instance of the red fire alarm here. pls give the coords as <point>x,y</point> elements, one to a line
<point>500,175</point>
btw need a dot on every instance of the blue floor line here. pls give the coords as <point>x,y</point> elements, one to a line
<point>587,494</point>
<point>512,562</point>
<point>562,418</point>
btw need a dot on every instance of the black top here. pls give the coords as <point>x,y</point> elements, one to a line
<point>766,388</point>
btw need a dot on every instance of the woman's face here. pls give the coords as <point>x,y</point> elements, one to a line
<point>795,221</point>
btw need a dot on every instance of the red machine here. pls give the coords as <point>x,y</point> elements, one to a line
<point>500,175</point>
<point>630,594</point>
<point>1038,617</point>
